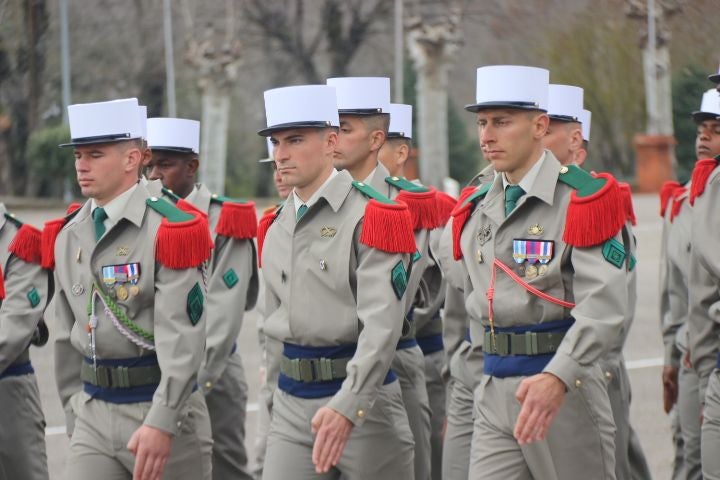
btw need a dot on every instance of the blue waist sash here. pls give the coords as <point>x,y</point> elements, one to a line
<point>523,365</point>
<point>323,388</point>
<point>17,370</point>
<point>407,343</point>
<point>123,395</point>
<point>430,344</point>
<point>467,335</point>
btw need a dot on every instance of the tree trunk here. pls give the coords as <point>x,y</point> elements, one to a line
<point>214,125</point>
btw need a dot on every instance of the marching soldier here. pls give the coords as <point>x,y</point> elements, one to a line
<point>232,285</point>
<point>546,292</point>
<point>364,106</point>
<point>680,380</point>
<point>335,262</point>
<point>24,292</point>
<point>565,139</point>
<point>129,309</point>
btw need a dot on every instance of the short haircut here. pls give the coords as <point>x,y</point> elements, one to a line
<point>380,121</point>
<point>395,141</point>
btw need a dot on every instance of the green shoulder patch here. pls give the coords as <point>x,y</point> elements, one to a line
<point>174,197</point>
<point>398,279</point>
<point>168,210</point>
<point>33,297</point>
<point>11,218</point>
<point>370,192</point>
<point>405,184</point>
<point>230,278</point>
<point>220,199</point>
<point>577,178</point>
<point>481,191</point>
<point>195,304</point>
<point>614,252</point>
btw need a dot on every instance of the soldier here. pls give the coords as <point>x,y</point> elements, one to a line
<point>24,292</point>
<point>431,293</point>
<point>335,270</point>
<point>566,141</point>
<point>232,286</point>
<point>364,105</point>
<point>680,381</point>
<point>545,292</point>
<point>129,309</point>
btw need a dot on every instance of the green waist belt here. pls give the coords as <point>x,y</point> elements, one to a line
<point>528,343</point>
<point>311,370</point>
<point>120,377</point>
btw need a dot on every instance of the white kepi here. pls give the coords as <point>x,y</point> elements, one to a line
<point>269,157</point>
<point>709,107</point>
<point>362,95</point>
<point>304,106</point>
<point>565,102</point>
<point>104,122</point>
<point>585,121</point>
<point>174,134</point>
<point>400,121</point>
<point>511,86</point>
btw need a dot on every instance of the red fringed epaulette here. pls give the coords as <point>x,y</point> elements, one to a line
<point>237,220</point>
<point>445,204</point>
<point>423,208</point>
<point>49,235</point>
<point>188,207</point>
<point>700,175</point>
<point>679,196</point>
<point>388,227</point>
<point>461,213</point>
<point>183,239</point>
<point>596,211</point>
<point>666,193</point>
<point>262,229</point>
<point>26,244</point>
<point>2,284</point>
<point>72,208</point>
<point>626,192</point>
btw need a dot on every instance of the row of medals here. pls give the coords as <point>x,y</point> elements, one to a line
<point>122,292</point>
<point>532,270</point>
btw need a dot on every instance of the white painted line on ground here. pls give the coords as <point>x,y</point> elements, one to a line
<point>644,363</point>
<point>61,430</point>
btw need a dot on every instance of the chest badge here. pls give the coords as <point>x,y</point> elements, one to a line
<point>328,232</point>
<point>536,229</point>
<point>484,234</point>
<point>122,251</point>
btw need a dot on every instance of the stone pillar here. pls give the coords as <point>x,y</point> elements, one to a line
<point>653,161</point>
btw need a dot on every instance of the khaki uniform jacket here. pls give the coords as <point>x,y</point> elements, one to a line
<point>160,307</point>
<point>674,277</point>
<point>226,302</point>
<point>325,288</point>
<point>579,275</point>
<point>18,316</point>
<point>704,295</point>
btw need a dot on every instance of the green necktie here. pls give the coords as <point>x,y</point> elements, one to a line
<point>512,195</point>
<point>99,216</point>
<point>301,211</point>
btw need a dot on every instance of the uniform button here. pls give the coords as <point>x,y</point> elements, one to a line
<point>208,385</point>
<point>608,375</point>
<point>578,383</point>
<point>179,424</point>
<point>361,413</point>
<point>153,199</point>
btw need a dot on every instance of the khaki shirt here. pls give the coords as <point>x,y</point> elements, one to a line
<point>160,307</point>
<point>19,314</point>
<point>325,288</point>
<point>579,275</point>
<point>704,296</point>
<point>227,299</point>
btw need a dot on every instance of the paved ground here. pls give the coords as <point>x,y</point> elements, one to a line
<point>643,353</point>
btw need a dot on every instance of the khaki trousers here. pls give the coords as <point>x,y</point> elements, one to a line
<point>579,444</point>
<point>380,449</point>
<point>710,440</point>
<point>98,445</point>
<point>688,412</point>
<point>458,436</point>
<point>437,396</point>
<point>22,430</point>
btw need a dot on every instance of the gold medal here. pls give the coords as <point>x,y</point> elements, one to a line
<point>542,270</point>
<point>134,290</point>
<point>479,256</point>
<point>536,230</point>
<point>531,272</point>
<point>122,292</point>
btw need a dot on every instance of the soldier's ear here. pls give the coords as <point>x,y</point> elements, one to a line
<point>193,165</point>
<point>540,125</point>
<point>576,140</point>
<point>377,140</point>
<point>134,159</point>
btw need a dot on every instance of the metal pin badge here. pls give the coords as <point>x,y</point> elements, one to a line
<point>323,265</point>
<point>78,256</point>
<point>78,289</point>
<point>479,256</point>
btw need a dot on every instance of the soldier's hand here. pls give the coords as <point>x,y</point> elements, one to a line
<point>331,431</point>
<point>151,448</point>
<point>540,396</point>
<point>670,387</point>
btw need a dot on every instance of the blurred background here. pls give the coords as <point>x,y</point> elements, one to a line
<point>212,60</point>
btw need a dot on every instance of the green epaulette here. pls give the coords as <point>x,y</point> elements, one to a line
<point>479,193</point>
<point>10,217</point>
<point>370,192</point>
<point>170,194</point>
<point>580,180</point>
<point>220,199</point>
<point>405,184</point>
<point>168,210</point>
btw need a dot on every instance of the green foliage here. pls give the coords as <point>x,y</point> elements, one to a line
<point>689,84</point>
<point>50,167</point>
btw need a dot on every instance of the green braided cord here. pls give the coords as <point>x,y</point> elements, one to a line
<point>120,315</point>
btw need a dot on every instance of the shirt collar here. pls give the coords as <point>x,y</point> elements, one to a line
<point>115,207</point>
<point>528,180</point>
<point>192,196</point>
<point>315,196</point>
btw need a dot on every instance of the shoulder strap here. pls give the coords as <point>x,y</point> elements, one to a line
<point>462,211</point>
<point>701,175</point>
<point>49,235</point>
<point>387,224</point>
<point>405,185</point>
<point>26,242</point>
<point>371,193</point>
